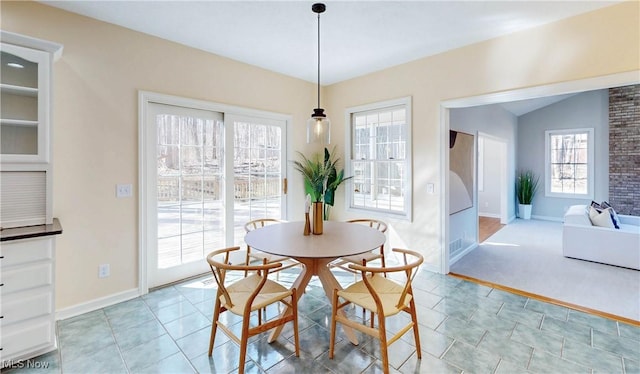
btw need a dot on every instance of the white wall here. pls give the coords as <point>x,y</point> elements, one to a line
<point>585,110</point>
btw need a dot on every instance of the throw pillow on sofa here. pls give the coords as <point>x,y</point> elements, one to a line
<point>602,219</point>
<point>614,215</point>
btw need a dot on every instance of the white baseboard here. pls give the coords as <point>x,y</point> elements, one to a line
<point>462,253</point>
<point>547,218</point>
<point>96,304</point>
<point>511,219</point>
<point>431,267</point>
<point>489,215</point>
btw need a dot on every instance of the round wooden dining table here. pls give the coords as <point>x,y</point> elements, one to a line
<point>315,252</point>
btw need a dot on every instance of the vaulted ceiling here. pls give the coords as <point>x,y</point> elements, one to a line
<point>357,37</point>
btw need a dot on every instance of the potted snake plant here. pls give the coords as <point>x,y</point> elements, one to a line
<point>526,187</point>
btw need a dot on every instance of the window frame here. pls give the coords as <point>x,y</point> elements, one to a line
<point>406,214</point>
<point>590,163</point>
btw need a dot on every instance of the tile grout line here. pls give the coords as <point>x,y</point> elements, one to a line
<point>115,341</point>
<point>167,331</point>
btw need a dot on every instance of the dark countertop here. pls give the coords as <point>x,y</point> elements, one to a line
<point>26,232</point>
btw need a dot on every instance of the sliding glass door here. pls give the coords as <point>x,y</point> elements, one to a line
<point>258,166</point>
<point>207,174</point>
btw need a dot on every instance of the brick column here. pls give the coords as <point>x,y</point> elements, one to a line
<point>624,149</point>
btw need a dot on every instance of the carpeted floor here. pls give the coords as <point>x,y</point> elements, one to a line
<point>527,255</point>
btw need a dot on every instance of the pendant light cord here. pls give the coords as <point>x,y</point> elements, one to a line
<point>318,60</point>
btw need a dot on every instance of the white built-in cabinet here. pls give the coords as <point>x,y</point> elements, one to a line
<point>24,77</point>
<point>28,229</point>
<point>27,308</point>
<point>25,130</point>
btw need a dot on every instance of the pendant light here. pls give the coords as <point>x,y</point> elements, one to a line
<point>318,126</point>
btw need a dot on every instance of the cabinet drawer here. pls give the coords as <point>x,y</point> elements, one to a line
<point>26,277</point>
<point>24,251</point>
<point>18,339</point>
<point>21,306</point>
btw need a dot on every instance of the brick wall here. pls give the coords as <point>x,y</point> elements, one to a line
<point>624,149</point>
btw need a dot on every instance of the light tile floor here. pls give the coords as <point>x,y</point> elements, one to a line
<point>464,328</point>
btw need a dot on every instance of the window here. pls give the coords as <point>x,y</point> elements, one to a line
<point>379,157</point>
<point>569,163</point>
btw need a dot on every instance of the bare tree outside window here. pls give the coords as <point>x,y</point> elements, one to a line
<point>379,159</point>
<point>569,155</point>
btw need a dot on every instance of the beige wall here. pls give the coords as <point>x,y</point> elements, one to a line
<point>103,67</point>
<point>594,44</point>
<point>95,143</point>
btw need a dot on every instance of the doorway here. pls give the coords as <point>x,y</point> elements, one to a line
<point>492,185</point>
<point>614,80</point>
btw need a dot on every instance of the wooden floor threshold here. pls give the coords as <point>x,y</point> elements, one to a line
<point>549,300</point>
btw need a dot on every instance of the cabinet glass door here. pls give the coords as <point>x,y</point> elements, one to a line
<point>24,90</point>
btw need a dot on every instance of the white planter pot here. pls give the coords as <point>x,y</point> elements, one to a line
<point>524,211</point>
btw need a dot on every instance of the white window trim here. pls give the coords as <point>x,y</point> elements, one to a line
<point>407,214</point>
<point>480,163</point>
<point>590,164</point>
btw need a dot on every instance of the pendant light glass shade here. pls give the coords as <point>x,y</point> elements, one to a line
<point>318,126</point>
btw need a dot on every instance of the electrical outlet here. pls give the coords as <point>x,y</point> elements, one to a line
<point>103,271</point>
<point>124,190</point>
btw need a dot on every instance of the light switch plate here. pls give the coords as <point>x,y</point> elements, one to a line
<point>430,188</point>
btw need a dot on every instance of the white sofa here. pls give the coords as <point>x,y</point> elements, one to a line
<point>582,240</point>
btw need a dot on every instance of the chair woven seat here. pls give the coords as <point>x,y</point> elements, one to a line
<point>241,291</point>
<point>383,297</point>
<point>357,259</point>
<point>244,295</point>
<point>388,291</point>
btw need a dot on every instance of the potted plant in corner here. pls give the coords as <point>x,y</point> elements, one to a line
<point>321,179</point>
<point>526,186</point>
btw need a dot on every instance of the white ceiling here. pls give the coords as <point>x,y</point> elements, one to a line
<point>357,37</point>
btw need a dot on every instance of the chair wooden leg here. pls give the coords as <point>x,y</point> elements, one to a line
<point>294,303</point>
<point>214,324</point>
<point>416,333</point>
<point>382,335</point>
<point>334,313</point>
<point>244,339</point>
